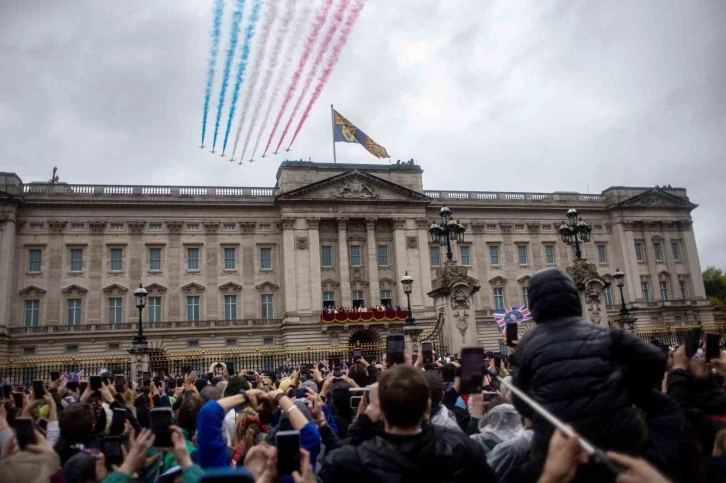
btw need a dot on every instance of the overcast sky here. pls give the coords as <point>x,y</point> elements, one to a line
<point>485,95</point>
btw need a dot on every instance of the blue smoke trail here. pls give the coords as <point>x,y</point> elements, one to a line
<point>216,34</point>
<point>242,66</point>
<point>233,38</point>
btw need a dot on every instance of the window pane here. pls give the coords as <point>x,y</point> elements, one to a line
<point>676,251</point>
<point>602,254</point>
<point>76,259</point>
<point>549,254</point>
<point>434,256</point>
<point>657,251</point>
<point>154,309</point>
<point>608,295</point>
<point>267,307</point>
<point>465,259</point>
<point>382,255</point>
<point>639,252</point>
<point>114,310</point>
<point>154,258</point>
<point>522,252</point>
<point>355,255</point>
<point>684,289</point>
<point>117,259</point>
<point>193,308</point>
<point>266,258</point>
<point>230,307</point>
<point>664,291</point>
<point>525,296</point>
<point>32,313</point>
<point>498,298</point>
<point>34,260</point>
<point>326,256</point>
<point>229,258</point>
<point>386,297</point>
<point>74,312</point>
<point>193,259</point>
<point>645,287</point>
<point>494,254</point>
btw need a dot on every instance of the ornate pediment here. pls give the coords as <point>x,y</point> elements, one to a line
<point>230,287</point>
<point>267,286</point>
<point>192,288</point>
<point>329,285</point>
<point>31,290</point>
<point>155,288</point>
<point>498,281</point>
<point>657,198</point>
<point>115,289</point>
<point>74,290</point>
<point>356,186</point>
<point>524,280</point>
<point>387,283</point>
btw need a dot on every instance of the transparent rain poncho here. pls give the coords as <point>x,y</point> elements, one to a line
<point>501,423</point>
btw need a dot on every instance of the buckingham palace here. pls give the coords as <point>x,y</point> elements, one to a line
<point>255,266</point>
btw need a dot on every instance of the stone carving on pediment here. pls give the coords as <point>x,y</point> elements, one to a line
<point>383,226</point>
<point>267,287</point>
<point>498,281</point>
<point>652,200</point>
<point>211,226</point>
<point>356,274</point>
<point>524,280</point>
<point>313,223</point>
<point>478,227</point>
<point>506,227</point>
<point>534,227</point>
<point>399,223</point>
<point>460,299</point>
<point>593,297</point>
<point>628,225</point>
<point>342,223</point>
<point>411,242</point>
<point>56,226</point>
<point>155,288</point>
<point>422,223</point>
<point>192,288</point>
<point>355,189</point>
<point>136,226</point>
<point>174,226</point>
<point>288,223</point>
<point>97,226</point>
<point>370,224</point>
<point>247,226</point>
<point>301,243</point>
<point>74,290</point>
<point>31,290</point>
<point>115,289</point>
<point>329,285</point>
<point>230,287</point>
<point>583,273</point>
<point>356,238</point>
<point>462,322</point>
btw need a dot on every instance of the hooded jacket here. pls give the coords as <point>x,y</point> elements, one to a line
<point>436,454</point>
<point>586,374</point>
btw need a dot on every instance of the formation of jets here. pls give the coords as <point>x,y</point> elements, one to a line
<point>232,160</point>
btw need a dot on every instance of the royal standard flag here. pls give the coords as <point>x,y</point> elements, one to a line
<point>345,132</point>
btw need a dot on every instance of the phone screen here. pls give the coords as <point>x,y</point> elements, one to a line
<point>118,422</point>
<point>692,337</point>
<point>95,382</point>
<point>111,447</point>
<point>38,389</point>
<point>161,419</point>
<point>119,380</point>
<point>7,390</point>
<point>355,401</point>
<point>712,342</point>
<point>395,345</point>
<point>288,452</point>
<point>24,431</point>
<point>511,332</point>
<point>497,360</point>
<point>231,369</point>
<point>472,369</point>
<point>18,399</point>
<point>82,386</point>
<point>427,350</point>
<point>357,354</point>
<point>54,375</point>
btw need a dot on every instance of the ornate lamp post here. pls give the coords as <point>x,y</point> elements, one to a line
<point>407,282</point>
<point>449,230</point>
<point>575,231</point>
<point>624,317</point>
<point>140,294</point>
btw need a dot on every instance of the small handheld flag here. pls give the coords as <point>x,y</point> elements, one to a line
<point>511,315</point>
<point>345,132</point>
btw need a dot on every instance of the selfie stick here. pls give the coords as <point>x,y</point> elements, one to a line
<point>598,454</point>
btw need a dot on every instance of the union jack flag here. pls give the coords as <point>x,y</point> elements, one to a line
<point>510,315</point>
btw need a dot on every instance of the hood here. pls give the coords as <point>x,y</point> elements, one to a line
<point>502,423</point>
<point>553,295</point>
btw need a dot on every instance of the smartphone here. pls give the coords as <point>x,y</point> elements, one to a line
<point>288,452</point>
<point>95,382</point>
<point>231,369</point>
<point>7,390</point>
<point>119,381</point>
<point>692,337</point>
<point>395,345</point>
<point>338,372</point>
<point>54,375</point>
<point>472,369</point>
<point>497,360</point>
<point>511,333</point>
<point>72,386</point>
<point>161,419</point>
<point>42,424</point>
<point>111,447</point>
<point>18,399</point>
<point>157,381</point>
<point>24,431</point>
<point>427,351</point>
<point>146,378</point>
<point>355,401</point>
<point>104,378</point>
<point>118,422</point>
<point>82,386</point>
<point>488,395</point>
<point>357,354</point>
<point>712,346</point>
<point>38,389</point>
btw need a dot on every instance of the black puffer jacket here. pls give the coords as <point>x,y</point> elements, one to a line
<point>586,374</point>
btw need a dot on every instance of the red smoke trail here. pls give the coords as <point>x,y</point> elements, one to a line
<point>320,17</point>
<point>327,39</point>
<point>337,48</point>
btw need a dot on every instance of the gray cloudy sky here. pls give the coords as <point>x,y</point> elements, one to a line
<point>486,95</point>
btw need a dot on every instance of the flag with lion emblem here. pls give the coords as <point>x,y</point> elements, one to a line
<point>345,132</point>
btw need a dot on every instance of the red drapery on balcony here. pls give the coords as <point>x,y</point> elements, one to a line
<point>374,316</point>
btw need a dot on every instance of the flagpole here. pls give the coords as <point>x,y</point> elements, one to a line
<point>332,119</point>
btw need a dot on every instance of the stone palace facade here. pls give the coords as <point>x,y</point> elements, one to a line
<point>251,267</point>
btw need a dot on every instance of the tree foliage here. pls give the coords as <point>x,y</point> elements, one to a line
<point>715,282</point>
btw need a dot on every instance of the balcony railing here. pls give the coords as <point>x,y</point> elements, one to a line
<point>150,326</point>
<point>491,196</point>
<point>85,190</point>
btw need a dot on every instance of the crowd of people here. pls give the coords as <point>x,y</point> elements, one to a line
<point>651,415</point>
<point>329,309</point>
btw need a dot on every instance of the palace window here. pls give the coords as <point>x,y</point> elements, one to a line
<point>498,298</point>
<point>550,254</point>
<point>76,259</point>
<point>34,259</point>
<point>464,252</point>
<point>326,256</point>
<point>268,307</point>
<point>114,310</point>
<point>32,313</point>
<point>117,259</point>
<point>192,258</point>
<point>154,309</point>
<point>522,254</point>
<point>230,307</point>
<point>266,258</point>
<point>494,254</point>
<point>383,255</point>
<point>154,258</point>
<point>434,255</point>
<point>230,259</point>
<point>192,308</point>
<point>355,255</point>
<point>73,316</point>
<point>602,254</point>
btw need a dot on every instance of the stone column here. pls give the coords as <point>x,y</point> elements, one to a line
<point>7,266</point>
<point>694,265</point>
<point>344,262</point>
<point>401,258</point>
<point>288,265</point>
<point>671,267</point>
<point>423,247</point>
<point>374,287</point>
<point>622,232</point>
<point>140,361</point>
<point>315,279</point>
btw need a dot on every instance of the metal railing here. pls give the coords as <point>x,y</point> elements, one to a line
<point>25,371</point>
<point>141,190</point>
<point>515,197</point>
<point>676,335</point>
<point>131,326</point>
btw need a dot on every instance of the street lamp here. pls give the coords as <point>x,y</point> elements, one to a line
<point>624,317</point>
<point>140,294</point>
<point>575,231</point>
<point>407,282</point>
<point>448,230</point>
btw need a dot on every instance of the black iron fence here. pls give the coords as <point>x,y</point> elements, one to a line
<point>676,335</point>
<point>23,372</point>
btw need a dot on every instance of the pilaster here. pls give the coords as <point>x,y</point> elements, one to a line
<point>374,288</point>
<point>424,262</point>
<point>694,265</point>
<point>401,257</point>
<point>7,266</point>
<point>315,278</point>
<point>288,264</point>
<point>344,262</point>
